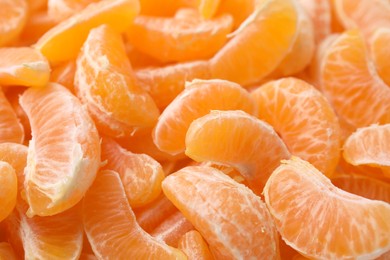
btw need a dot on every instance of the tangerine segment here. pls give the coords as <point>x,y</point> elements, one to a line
<point>64,152</point>
<point>116,108</point>
<point>165,83</point>
<point>367,15</point>
<point>111,226</point>
<point>141,175</point>
<point>62,9</point>
<point>196,100</point>
<point>348,80</point>
<point>260,44</point>
<point>16,155</point>
<point>305,204</point>
<point>23,66</point>
<point>194,246</point>
<point>364,186</point>
<point>186,36</point>
<point>234,221</point>
<point>165,8</point>
<point>7,252</point>
<point>11,130</point>
<point>237,139</point>
<point>8,192</point>
<point>208,8</point>
<point>63,42</point>
<point>379,45</point>
<point>64,75</point>
<point>13,16</point>
<point>303,118</point>
<point>369,146</point>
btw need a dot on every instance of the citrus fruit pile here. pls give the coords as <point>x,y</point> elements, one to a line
<point>194,129</point>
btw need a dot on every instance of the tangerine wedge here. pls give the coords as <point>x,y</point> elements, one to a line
<point>59,10</point>
<point>23,66</point>
<point>184,37</point>
<point>116,108</point>
<point>141,175</point>
<point>350,82</point>
<point>13,16</point>
<point>208,8</point>
<point>111,226</point>
<point>196,100</point>
<point>7,252</point>
<point>11,130</point>
<point>259,44</point>
<point>321,221</point>
<point>379,46</point>
<point>233,220</point>
<point>64,152</point>
<point>237,139</point>
<point>63,41</point>
<point>9,187</point>
<point>194,246</point>
<point>304,119</point>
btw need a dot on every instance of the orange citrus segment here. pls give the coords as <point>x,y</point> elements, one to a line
<point>63,42</point>
<point>183,37</point>
<point>164,8</point>
<point>23,66</point>
<point>194,246</point>
<point>233,220</point>
<point>11,130</point>
<point>259,45</point>
<point>64,152</point>
<point>237,139</point>
<point>16,155</point>
<point>239,9</point>
<point>303,118</point>
<point>13,16</point>
<point>8,191</point>
<point>196,100</point>
<point>64,75</point>
<point>165,83</point>
<point>62,9</point>
<point>369,146</point>
<point>305,205</point>
<point>111,226</point>
<point>141,175</point>
<point>7,252</point>
<point>116,108</point>
<point>351,83</point>
<point>208,8</point>
<point>379,46</point>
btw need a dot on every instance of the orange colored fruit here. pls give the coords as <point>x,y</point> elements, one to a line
<point>11,130</point>
<point>64,75</point>
<point>7,252</point>
<point>194,246</point>
<point>141,175</point>
<point>381,53</point>
<point>303,118</point>
<point>364,186</point>
<point>111,226</point>
<point>232,219</point>
<point>164,8</point>
<point>23,66</point>
<point>64,152</point>
<point>13,16</point>
<point>305,205</point>
<point>197,99</point>
<point>369,146</point>
<point>63,41</point>
<point>116,108</point>
<point>8,192</point>
<point>367,15</point>
<point>62,9</point>
<point>239,9</point>
<point>348,80</point>
<point>237,139</point>
<point>259,44</point>
<point>208,8</point>
<point>184,37</point>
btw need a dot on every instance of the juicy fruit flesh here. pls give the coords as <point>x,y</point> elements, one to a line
<point>177,119</point>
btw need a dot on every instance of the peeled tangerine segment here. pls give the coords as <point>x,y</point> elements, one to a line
<point>12,20</point>
<point>141,175</point>
<point>194,246</point>
<point>232,219</point>
<point>186,36</point>
<point>196,100</point>
<point>111,226</point>
<point>304,119</point>
<point>305,205</point>
<point>8,191</point>
<point>11,130</point>
<point>259,44</point>
<point>380,51</point>
<point>23,66</point>
<point>63,41</point>
<point>64,152</point>
<point>348,79</point>
<point>116,108</point>
<point>237,139</point>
